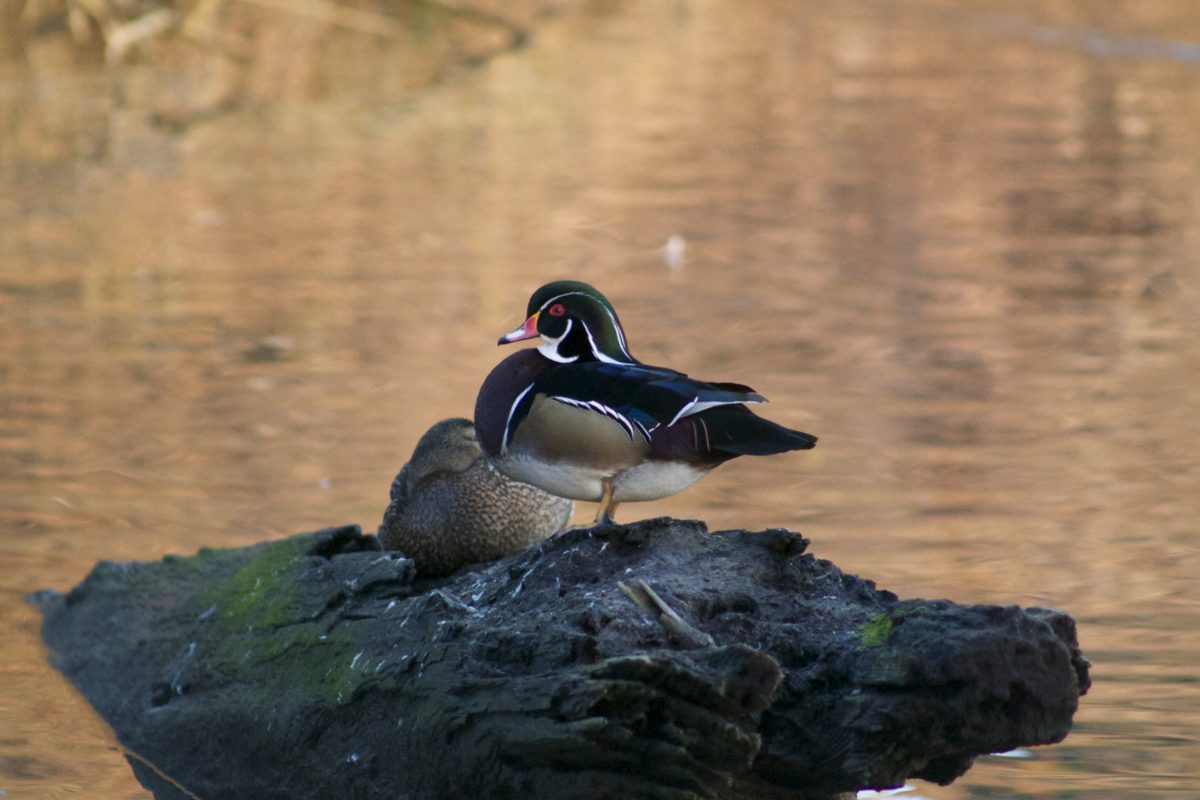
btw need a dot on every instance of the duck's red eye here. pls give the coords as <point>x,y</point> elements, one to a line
<point>557,310</point>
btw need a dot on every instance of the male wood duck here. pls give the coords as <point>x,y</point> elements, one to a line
<point>451,507</point>
<point>580,417</point>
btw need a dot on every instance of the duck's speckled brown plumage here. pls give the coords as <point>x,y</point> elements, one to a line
<point>450,506</point>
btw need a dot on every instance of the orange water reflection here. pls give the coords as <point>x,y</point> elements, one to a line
<point>957,241</point>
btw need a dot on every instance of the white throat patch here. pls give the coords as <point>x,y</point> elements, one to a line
<point>549,347</point>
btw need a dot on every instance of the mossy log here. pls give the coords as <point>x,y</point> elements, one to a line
<point>652,660</point>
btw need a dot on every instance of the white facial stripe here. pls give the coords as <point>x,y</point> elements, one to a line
<point>596,350</point>
<point>616,326</point>
<point>508,422</point>
<point>620,334</point>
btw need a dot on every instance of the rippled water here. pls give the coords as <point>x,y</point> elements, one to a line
<point>958,241</point>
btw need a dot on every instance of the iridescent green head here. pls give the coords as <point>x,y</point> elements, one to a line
<point>576,323</point>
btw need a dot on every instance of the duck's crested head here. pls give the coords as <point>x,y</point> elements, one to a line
<point>580,291</point>
<point>576,323</point>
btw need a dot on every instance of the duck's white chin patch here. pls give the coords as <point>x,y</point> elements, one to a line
<point>550,351</point>
<point>549,347</point>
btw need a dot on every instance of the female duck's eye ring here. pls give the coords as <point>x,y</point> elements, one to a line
<point>557,310</point>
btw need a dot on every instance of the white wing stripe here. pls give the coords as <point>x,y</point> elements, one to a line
<point>683,411</point>
<point>646,431</point>
<point>695,406</point>
<point>600,408</point>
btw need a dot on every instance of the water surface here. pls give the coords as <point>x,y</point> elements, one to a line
<point>957,241</point>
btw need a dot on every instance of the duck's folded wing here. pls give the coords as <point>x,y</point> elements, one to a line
<point>640,398</point>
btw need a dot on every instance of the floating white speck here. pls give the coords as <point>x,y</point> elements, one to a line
<point>673,251</point>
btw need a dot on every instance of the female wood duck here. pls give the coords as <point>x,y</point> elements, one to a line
<point>451,507</point>
<point>581,418</point>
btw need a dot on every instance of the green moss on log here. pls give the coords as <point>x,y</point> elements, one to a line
<point>875,631</point>
<point>264,593</point>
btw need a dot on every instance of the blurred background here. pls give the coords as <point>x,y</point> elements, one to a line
<point>251,249</point>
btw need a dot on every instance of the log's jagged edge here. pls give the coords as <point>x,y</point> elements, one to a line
<point>736,666</point>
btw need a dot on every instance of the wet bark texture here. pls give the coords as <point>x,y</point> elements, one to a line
<point>652,660</point>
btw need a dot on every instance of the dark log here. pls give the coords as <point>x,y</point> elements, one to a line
<point>652,660</point>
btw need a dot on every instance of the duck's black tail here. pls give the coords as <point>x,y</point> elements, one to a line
<point>735,430</point>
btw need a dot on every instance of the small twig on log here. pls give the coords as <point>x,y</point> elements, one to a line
<point>647,598</point>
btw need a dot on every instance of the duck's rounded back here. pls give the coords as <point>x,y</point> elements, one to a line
<point>449,446</point>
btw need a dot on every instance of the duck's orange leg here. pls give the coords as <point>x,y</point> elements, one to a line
<point>604,514</point>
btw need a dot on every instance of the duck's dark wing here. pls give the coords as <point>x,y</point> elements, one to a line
<point>640,398</point>
<point>737,431</point>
